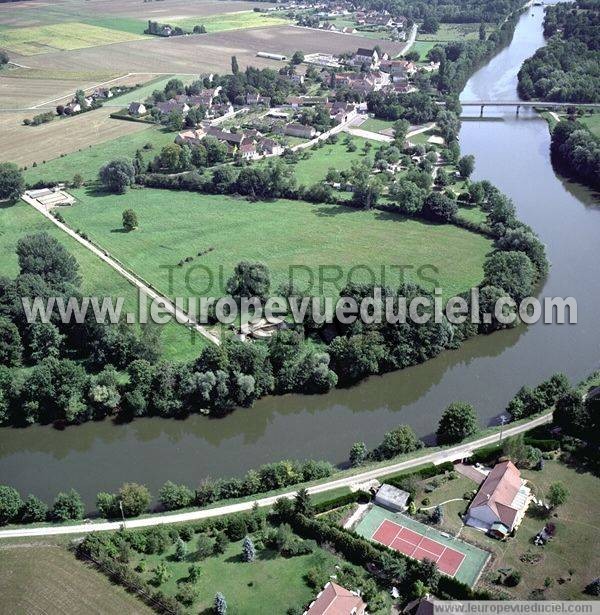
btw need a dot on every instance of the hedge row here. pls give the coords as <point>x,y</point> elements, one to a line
<point>544,444</point>
<point>336,502</point>
<point>428,471</point>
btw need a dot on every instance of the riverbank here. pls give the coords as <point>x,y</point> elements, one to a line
<point>343,480</point>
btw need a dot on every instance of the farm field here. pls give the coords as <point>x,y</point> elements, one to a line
<point>452,32</point>
<point>33,40</point>
<point>59,137</point>
<point>98,278</point>
<point>36,578</point>
<point>233,21</point>
<point>23,88</point>
<point>88,161</point>
<point>571,556</point>
<point>176,225</point>
<point>271,579</point>
<point>197,54</point>
<point>113,13</point>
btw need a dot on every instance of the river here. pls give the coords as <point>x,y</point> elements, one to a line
<point>511,152</point>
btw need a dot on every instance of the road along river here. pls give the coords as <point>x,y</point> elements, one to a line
<point>511,152</point>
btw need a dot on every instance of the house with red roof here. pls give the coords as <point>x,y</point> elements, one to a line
<point>501,502</point>
<point>336,600</point>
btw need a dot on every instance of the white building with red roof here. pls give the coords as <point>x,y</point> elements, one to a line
<point>336,600</point>
<point>501,501</point>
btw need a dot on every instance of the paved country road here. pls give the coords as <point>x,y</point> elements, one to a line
<point>450,454</point>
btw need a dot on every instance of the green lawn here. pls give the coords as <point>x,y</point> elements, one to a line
<point>232,21</point>
<point>574,548</point>
<point>270,584</point>
<point>98,278</point>
<point>332,156</point>
<point>374,124</point>
<point>472,214</point>
<point>422,47</point>
<point>175,225</point>
<point>87,162</point>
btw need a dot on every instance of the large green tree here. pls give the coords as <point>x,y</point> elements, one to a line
<point>458,421</point>
<point>117,175</point>
<point>12,184</point>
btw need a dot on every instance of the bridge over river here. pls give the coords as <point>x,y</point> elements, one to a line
<point>525,103</point>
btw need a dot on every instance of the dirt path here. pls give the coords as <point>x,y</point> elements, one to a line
<point>181,316</point>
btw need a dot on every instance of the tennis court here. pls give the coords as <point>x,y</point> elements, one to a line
<point>453,557</point>
<point>418,546</point>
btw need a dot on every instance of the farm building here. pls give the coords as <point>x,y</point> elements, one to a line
<point>271,56</point>
<point>501,501</point>
<point>392,498</point>
<point>337,600</point>
<point>299,130</point>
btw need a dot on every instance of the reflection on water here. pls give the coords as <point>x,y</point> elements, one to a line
<point>487,371</point>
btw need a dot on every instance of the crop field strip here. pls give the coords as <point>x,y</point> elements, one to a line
<point>68,36</point>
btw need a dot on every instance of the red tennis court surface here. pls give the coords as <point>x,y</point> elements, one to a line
<point>418,546</point>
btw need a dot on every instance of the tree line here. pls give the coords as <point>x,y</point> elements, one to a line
<point>576,152</point>
<point>565,70</point>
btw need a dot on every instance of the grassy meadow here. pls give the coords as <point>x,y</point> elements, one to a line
<point>452,32</point>
<point>98,278</point>
<point>175,225</point>
<point>332,156</point>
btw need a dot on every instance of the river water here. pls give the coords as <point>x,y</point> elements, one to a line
<point>511,152</point>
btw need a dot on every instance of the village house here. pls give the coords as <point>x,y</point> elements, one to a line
<point>349,30</point>
<point>299,130</point>
<point>248,151</point>
<point>221,109</point>
<point>370,57</point>
<point>269,147</point>
<point>257,99</point>
<point>501,502</point>
<point>380,20</point>
<point>137,108</point>
<point>167,107</point>
<point>72,107</point>
<point>342,112</point>
<point>190,137</point>
<point>102,93</point>
<point>337,600</point>
<point>399,70</point>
